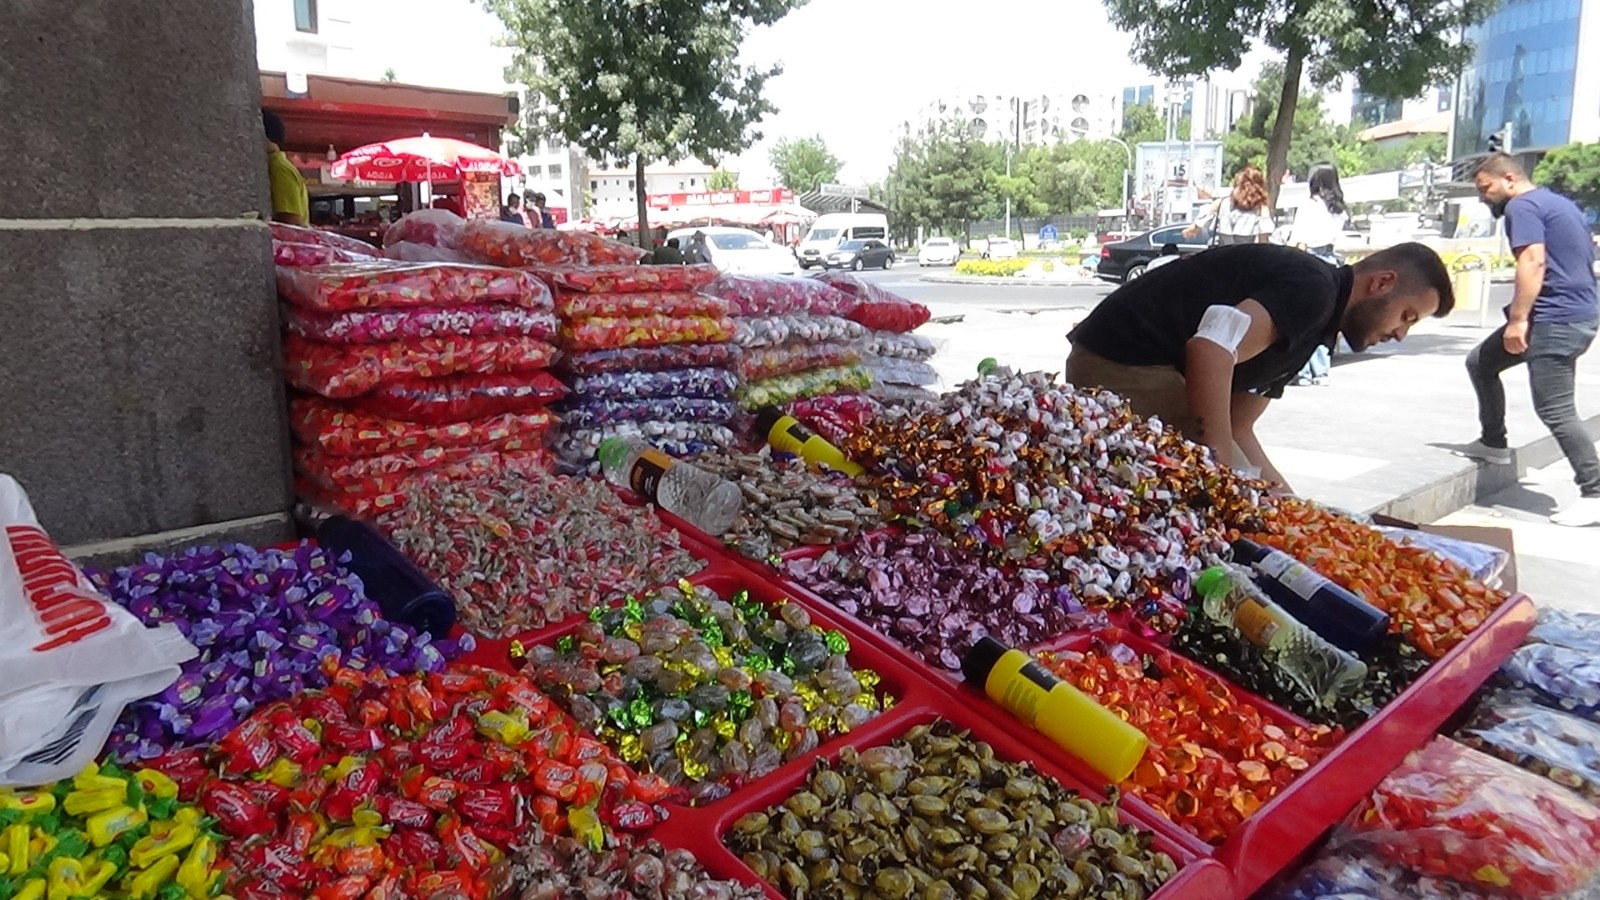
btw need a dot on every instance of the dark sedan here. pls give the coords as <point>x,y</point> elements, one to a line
<point>860,254</point>
<point>1125,260</point>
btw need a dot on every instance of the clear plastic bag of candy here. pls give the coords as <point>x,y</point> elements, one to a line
<point>757,363</point>
<point>899,346</point>
<point>338,472</point>
<point>376,326</point>
<point>386,493</point>
<point>888,370</point>
<point>784,388</point>
<point>343,371</point>
<point>606,332</point>
<point>386,284</point>
<point>1451,812</point>
<point>577,305</point>
<point>1561,677</point>
<point>1575,630</point>
<point>777,295</point>
<point>598,413</point>
<point>836,416</point>
<point>461,397</point>
<point>626,279</point>
<point>878,309</point>
<point>647,359</point>
<point>1483,561</point>
<point>1344,875</point>
<point>299,234</point>
<point>509,244</point>
<point>898,395</point>
<point>576,447</point>
<point>775,331</point>
<point>1516,727</point>
<point>429,227</point>
<point>336,431</point>
<point>704,382</point>
<point>300,256</point>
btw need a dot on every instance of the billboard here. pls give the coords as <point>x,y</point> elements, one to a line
<point>1169,176</point>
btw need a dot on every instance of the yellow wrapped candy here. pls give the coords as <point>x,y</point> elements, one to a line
<point>156,784</point>
<point>284,772</point>
<point>90,779</point>
<point>105,827</point>
<point>195,875</point>
<point>503,727</point>
<point>28,802</point>
<point>17,849</point>
<point>99,876</point>
<point>144,885</point>
<point>82,802</point>
<point>156,847</point>
<point>33,890</point>
<point>66,878</point>
<point>586,827</point>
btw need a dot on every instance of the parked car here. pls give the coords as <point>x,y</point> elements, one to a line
<point>833,229</point>
<point>939,251</point>
<point>1123,261</point>
<point>858,255</point>
<point>1001,248</point>
<point>740,251</point>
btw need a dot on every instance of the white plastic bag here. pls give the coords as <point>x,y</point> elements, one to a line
<point>70,659</point>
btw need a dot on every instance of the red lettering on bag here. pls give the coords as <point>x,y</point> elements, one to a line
<point>65,611</point>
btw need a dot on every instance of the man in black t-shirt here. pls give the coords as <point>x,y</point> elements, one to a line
<point>1207,344</point>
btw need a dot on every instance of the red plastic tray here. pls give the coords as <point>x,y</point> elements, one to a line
<point>701,830</point>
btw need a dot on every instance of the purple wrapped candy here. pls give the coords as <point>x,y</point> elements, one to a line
<point>267,624</point>
<point>599,413</point>
<point>646,359</point>
<point>703,382</point>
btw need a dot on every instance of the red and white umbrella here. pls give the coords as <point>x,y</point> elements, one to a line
<point>424,158</point>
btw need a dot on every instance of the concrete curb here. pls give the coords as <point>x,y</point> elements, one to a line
<point>1476,482</point>
<point>1012,282</point>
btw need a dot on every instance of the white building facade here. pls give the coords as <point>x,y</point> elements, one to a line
<point>613,191</point>
<point>1031,119</point>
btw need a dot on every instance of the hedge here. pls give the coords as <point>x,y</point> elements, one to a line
<point>994,268</point>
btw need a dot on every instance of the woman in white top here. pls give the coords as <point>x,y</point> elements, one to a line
<point>1242,217</point>
<point>1319,219</point>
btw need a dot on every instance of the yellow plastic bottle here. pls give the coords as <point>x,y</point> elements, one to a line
<point>1060,711</point>
<point>786,433</point>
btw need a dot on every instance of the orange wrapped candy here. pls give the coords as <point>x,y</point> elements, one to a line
<point>508,244</point>
<point>331,429</point>
<point>578,305</point>
<point>626,279</point>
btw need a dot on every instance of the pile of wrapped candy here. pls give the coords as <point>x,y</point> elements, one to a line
<point>897,359</point>
<point>407,368</point>
<point>794,339</point>
<point>647,356</point>
<point>298,247</point>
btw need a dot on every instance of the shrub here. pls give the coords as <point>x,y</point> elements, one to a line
<point>992,268</point>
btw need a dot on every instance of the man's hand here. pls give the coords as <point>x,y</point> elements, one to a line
<point>1246,409</point>
<point>1516,338</point>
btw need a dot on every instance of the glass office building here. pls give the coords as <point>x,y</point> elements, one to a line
<point>1524,73</point>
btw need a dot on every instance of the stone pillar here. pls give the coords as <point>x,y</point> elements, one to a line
<point>140,396</point>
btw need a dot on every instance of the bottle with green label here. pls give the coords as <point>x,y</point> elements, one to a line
<point>786,433</point>
<point>1322,671</point>
<point>700,498</point>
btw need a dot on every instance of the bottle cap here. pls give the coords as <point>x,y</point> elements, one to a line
<point>1212,581</point>
<point>987,365</point>
<point>612,452</point>
<point>766,417</point>
<point>981,659</point>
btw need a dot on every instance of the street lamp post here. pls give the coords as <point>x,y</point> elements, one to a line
<point>1127,176</point>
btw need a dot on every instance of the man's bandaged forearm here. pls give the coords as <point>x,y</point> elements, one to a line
<point>1224,326</point>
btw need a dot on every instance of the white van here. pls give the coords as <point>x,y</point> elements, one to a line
<point>829,231</point>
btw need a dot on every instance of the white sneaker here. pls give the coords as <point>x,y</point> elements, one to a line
<point>1584,512</point>
<point>1499,456</point>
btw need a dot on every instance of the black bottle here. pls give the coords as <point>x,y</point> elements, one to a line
<point>404,593</point>
<point>1339,616</point>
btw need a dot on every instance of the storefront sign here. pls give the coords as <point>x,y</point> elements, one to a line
<point>769,196</point>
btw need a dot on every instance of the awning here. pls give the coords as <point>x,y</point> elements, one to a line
<point>746,214</point>
<point>346,114</point>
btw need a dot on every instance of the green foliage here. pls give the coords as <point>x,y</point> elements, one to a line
<point>1573,170</point>
<point>722,180</point>
<point>804,163</point>
<point>992,268</point>
<point>940,182</point>
<point>1144,122</point>
<point>389,76</point>
<point>625,79</point>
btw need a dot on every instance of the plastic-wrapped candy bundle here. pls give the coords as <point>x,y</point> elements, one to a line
<point>757,363</point>
<point>343,371</point>
<point>1483,561</point>
<point>1450,812</point>
<point>381,494</point>
<point>836,416</point>
<point>1561,677</point>
<point>876,308</point>
<point>385,284</point>
<point>267,623</point>
<point>299,234</point>
<point>700,382</point>
<point>903,395</point>
<point>330,428</point>
<point>628,279</point>
<point>338,473</point>
<point>382,325</point>
<point>608,332</point>
<point>461,398</point>
<point>546,868</point>
<point>576,447</point>
<point>785,388</point>
<point>899,346</point>
<point>508,244</point>
<point>1574,630</point>
<point>1351,875</point>
<point>889,370</point>
<point>776,295</point>
<point>439,229</point>
<point>599,413</point>
<point>775,331</point>
<point>1517,728</point>
<point>675,304</point>
<point>647,359</point>
<point>299,256</point>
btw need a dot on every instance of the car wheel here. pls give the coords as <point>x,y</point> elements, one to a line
<point>888,262</point>
<point>856,266</point>
<point>1134,272</point>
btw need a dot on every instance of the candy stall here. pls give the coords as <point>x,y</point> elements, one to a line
<point>650,581</point>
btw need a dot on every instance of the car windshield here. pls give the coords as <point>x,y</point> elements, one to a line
<point>938,242</point>
<point>822,234</point>
<point>736,241</point>
<point>852,245</point>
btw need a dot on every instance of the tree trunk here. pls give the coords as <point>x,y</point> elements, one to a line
<point>1283,125</point>
<point>639,197</point>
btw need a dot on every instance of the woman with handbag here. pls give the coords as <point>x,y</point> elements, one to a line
<point>1242,217</point>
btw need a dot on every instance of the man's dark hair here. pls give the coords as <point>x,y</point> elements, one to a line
<point>1418,267</point>
<point>538,199</point>
<point>673,242</point>
<point>1169,249</point>
<point>513,199</point>
<point>273,126</point>
<point>1500,165</point>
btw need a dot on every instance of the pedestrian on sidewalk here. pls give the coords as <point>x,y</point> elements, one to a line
<point>1207,345</point>
<point>1318,222</point>
<point>1550,323</point>
<point>1242,217</point>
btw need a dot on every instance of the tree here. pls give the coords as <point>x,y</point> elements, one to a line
<point>722,180</point>
<point>803,163</point>
<point>627,79</point>
<point>940,181</point>
<point>1393,48</point>
<point>1573,170</point>
<point>1144,122</point>
<point>389,76</point>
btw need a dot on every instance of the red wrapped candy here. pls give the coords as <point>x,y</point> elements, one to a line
<point>508,244</point>
<point>299,234</point>
<point>333,430</point>
<point>376,326</point>
<point>343,372</point>
<point>626,279</point>
<point>390,284</point>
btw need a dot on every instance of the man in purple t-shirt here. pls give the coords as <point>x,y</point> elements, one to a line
<point>1550,324</point>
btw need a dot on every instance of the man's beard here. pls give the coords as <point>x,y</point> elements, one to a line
<point>1497,208</point>
<point>1361,322</point>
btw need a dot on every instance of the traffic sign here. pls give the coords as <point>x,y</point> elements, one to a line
<point>1047,232</point>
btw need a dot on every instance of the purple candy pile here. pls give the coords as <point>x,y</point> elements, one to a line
<point>265,621</point>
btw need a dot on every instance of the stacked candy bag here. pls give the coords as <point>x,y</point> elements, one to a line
<point>414,367</point>
<point>509,244</point>
<point>897,359</point>
<point>647,356</point>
